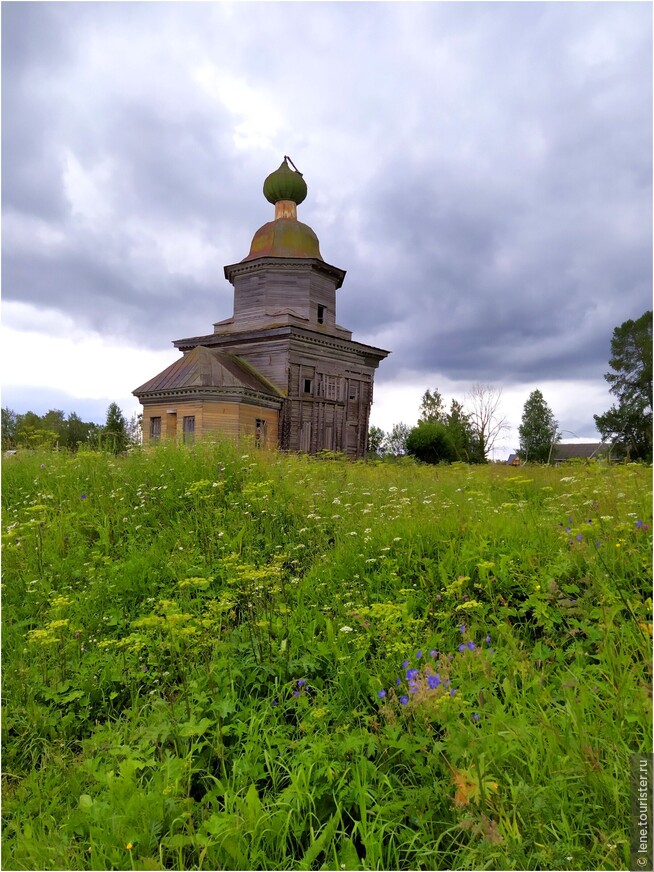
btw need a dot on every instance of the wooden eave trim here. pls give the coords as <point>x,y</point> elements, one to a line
<point>309,336</point>
<point>227,395</point>
<point>234,269</point>
<point>341,344</point>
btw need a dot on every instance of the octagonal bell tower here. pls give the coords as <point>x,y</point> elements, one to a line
<point>284,279</point>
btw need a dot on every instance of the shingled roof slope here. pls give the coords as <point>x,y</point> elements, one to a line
<point>574,450</point>
<point>207,368</point>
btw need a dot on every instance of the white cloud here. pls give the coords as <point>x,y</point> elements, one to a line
<point>258,117</point>
<point>89,190</point>
<point>22,232</point>
<point>47,349</point>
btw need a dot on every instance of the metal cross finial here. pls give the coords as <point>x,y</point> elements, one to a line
<point>287,158</point>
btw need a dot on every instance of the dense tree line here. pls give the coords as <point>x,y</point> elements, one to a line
<point>446,435</point>
<point>469,434</point>
<point>55,429</point>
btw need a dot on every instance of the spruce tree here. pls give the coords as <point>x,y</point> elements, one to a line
<point>539,429</point>
<point>629,424</point>
<point>114,433</point>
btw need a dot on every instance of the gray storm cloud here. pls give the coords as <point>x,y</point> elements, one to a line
<point>481,170</point>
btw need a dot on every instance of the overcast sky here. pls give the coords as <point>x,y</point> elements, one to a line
<point>483,171</point>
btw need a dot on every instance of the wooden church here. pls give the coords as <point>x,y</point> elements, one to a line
<point>280,370</point>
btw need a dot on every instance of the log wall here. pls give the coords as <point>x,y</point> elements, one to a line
<point>234,420</point>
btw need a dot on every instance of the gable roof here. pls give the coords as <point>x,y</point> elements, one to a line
<point>571,450</point>
<point>207,368</point>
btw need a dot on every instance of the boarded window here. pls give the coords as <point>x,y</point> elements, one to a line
<point>332,384</point>
<point>305,437</point>
<point>260,432</point>
<point>155,428</point>
<point>188,426</point>
<point>352,439</point>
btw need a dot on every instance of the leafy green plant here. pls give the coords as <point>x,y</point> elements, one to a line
<point>202,648</point>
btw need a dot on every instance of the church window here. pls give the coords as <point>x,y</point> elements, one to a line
<point>321,314</point>
<point>189,429</point>
<point>331,388</point>
<point>308,384</point>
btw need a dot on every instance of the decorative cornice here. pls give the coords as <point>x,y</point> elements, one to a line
<point>230,394</point>
<point>299,333</point>
<point>279,263</point>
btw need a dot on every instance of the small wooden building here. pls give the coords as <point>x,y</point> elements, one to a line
<point>280,370</point>
<point>564,451</point>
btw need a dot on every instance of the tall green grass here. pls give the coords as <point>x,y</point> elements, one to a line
<point>205,659</point>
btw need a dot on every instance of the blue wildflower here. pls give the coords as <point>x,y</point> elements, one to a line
<point>488,639</point>
<point>433,653</point>
<point>296,693</point>
<point>579,537</point>
<point>274,703</point>
<point>405,664</point>
<point>418,655</point>
<point>453,691</point>
<point>398,682</point>
<point>404,700</point>
<point>462,628</point>
<point>412,674</point>
<point>83,497</point>
<point>433,681</point>
<point>476,717</point>
<point>462,647</point>
<point>639,524</point>
<point>381,694</point>
<point>471,646</point>
<point>301,682</point>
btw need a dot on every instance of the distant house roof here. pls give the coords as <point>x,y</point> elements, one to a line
<point>207,368</point>
<point>580,450</point>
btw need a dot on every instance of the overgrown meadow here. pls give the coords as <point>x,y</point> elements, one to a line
<point>217,658</point>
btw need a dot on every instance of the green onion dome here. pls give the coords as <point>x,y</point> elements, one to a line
<point>285,184</point>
